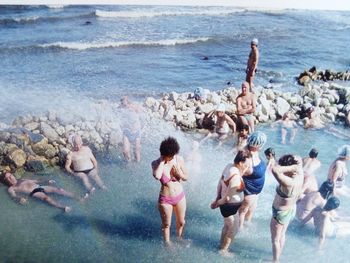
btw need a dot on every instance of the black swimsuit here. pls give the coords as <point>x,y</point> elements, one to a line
<point>39,189</point>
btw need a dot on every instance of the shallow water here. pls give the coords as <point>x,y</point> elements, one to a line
<point>122,224</point>
<point>51,60</point>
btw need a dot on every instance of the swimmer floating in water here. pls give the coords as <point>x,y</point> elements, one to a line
<point>34,188</point>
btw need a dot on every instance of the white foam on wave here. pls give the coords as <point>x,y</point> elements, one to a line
<point>142,14</point>
<point>56,6</point>
<point>25,19</point>
<point>114,44</point>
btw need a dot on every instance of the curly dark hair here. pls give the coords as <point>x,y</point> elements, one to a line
<point>169,147</point>
<point>269,151</point>
<point>313,153</point>
<point>287,160</point>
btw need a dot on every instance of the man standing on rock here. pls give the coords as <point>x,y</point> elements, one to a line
<point>35,189</point>
<point>252,64</point>
<point>246,104</point>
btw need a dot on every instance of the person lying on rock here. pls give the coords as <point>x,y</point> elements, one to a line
<point>33,188</point>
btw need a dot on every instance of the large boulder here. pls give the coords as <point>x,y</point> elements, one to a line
<point>282,106</point>
<point>17,157</point>
<point>31,126</point>
<point>49,132</point>
<point>36,163</point>
<point>43,148</point>
<point>4,136</point>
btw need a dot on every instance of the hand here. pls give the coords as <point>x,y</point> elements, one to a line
<point>22,201</point>
<point>214,205</point>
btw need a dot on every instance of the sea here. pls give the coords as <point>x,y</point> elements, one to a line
<point>66,58</point>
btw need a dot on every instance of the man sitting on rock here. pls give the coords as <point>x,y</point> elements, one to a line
<point>246,104</point>
<point>82,163</point>
<point>35,189</point>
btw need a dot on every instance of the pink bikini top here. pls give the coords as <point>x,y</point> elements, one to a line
<point>165,179</point>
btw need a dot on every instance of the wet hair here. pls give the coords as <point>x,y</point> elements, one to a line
<point>245,127</point>
<point>332,203</point>
<point>169,147</point>
<point>242,156</point>
<point>313,153</point>
<point>287,160</point>
<point>4,180</point>
<point>257,139</point>
<point>270,151</point>
<point>326,189</point>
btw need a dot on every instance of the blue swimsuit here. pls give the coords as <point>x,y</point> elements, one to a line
<point>254,183</point>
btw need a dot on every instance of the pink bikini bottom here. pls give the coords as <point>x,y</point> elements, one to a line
<point>171,200</point>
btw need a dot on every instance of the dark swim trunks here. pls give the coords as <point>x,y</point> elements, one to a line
<point>229,209</point>
<point>37,190</point>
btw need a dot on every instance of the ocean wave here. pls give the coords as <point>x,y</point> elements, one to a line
<point>38,19</point>
<point>92,45</point>
<point>142,14</point>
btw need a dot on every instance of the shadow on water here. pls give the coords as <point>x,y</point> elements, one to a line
<point>130,226</point>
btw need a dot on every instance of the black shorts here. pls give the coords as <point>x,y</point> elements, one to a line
<point>229,209</point>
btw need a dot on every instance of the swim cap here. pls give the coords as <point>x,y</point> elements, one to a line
<point>332,203</point>
<point>313,153</point>
<point>256,139</point>
<point>269,151</point>
<point>221,107</point>
<point>326,189</point>
<point>255,41</point>
<point>344,151</point>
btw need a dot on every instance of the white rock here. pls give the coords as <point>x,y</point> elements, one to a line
<point>282,106</point>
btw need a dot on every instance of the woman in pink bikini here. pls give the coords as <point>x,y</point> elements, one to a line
<point>170,169</point>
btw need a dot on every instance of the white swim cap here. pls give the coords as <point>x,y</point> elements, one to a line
<point>255,41</point>
<point>257,139</point>
<point>221,107</point>
<point>344,151</point>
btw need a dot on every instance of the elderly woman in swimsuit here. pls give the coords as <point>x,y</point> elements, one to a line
<point>230,196</point>
<point>254,178</point>
<point>289,175</point>
<point>170,170</point>
<point>82,164</point>
<point>338,171</point>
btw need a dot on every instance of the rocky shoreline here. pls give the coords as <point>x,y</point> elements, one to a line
<point>32,143</point>
<point>325,75</point>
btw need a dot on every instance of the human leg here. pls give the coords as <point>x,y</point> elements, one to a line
<point>126,148</point>
<point>138,149</point>
<point>227,233</point>
<point>283,135</point>
<point>165,211</point>
<point>253,202</point>
<point>276,232</point>
<point>180,212</point>
<point>59,191</point>
<point>44,197</point>
<point>94,175</point>
<point>82,176</point>
<point>292,136</point>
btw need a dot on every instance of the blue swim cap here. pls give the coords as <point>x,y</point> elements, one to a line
<point>257,139</point>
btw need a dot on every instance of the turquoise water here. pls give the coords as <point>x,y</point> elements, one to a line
<point>123,223</point>
<point>51,60</point>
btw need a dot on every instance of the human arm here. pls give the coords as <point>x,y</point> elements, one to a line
<point>278,173</point>
<point>181,170</point>
<point>336,172</point>
<point>14,196</point>
<point>255,60</point>
<point>231,190</point>
<point>231,123</point>
<point>322,231</point>
<point>214,204</point>
<point>157,168</point>
<point>69,163</point>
